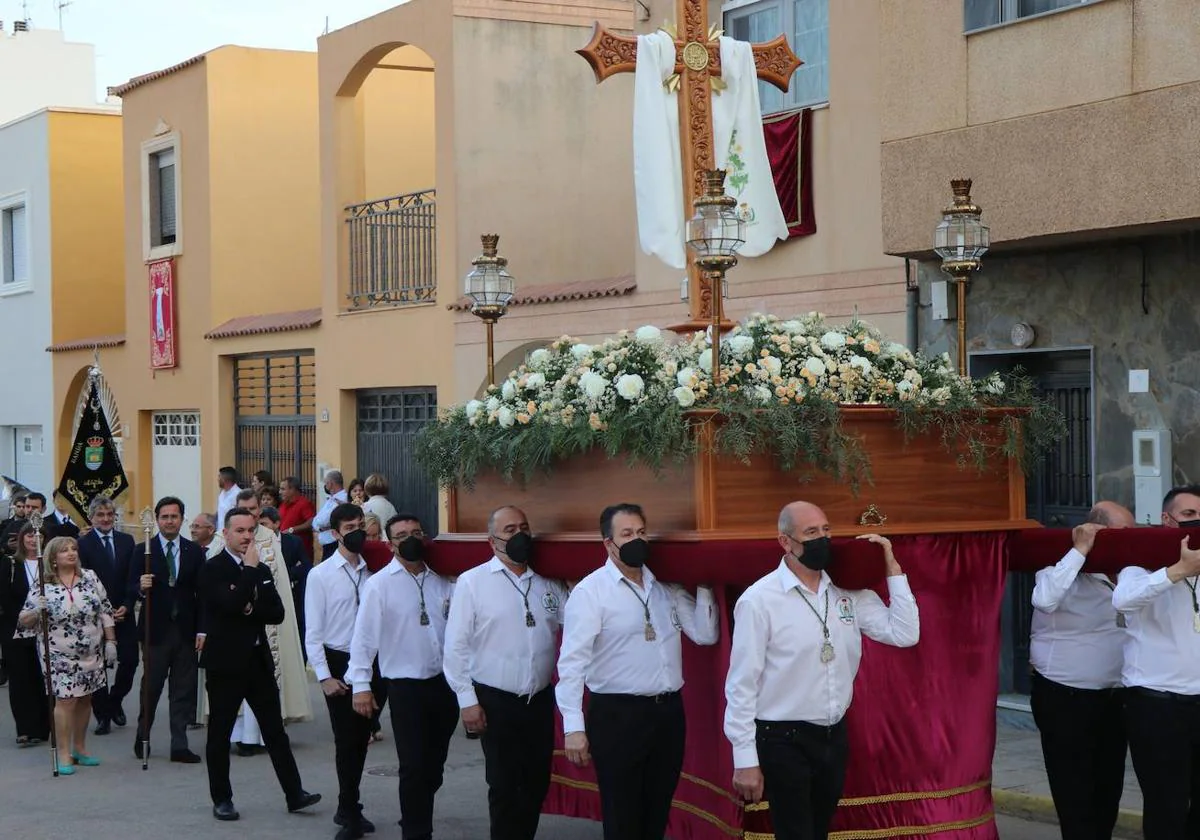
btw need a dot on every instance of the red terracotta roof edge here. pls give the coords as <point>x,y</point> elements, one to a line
<point>147,78</point>
<point>87,343</point>
<point>272,322</point>
<point>560,292</point>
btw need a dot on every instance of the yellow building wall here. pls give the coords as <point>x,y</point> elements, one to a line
<point>398,125</point>
<point>264,182</point>
<point>86,225</point>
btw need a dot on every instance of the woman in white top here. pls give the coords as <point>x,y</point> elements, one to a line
<point>376,488</point>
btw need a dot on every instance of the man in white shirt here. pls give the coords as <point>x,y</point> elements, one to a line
<point>335,494</point>
<point>1076,653</point>
<point>797,644</point>
<point>228,491</point>
<point>501,643</point>
<point>1162,679</point>
<point>622,639</point>
<point>402,620</point>
<point>331,602</point>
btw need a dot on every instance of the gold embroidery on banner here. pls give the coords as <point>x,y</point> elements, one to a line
<point>675,803</point>
<point>907,830</point>
<point>915,795</point>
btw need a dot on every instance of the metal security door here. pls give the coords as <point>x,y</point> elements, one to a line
<point>274,397</point>
<point>388,422</point>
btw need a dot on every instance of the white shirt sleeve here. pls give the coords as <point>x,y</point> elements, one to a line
<point>697,615</point>
<point>314,629</point>
<point>747,658</point>
<point>364,644</point>
<point>898,624</point>
<point>1052,584</point>
<point>321,520</point>
<point>1137,588</point>
<point>582,622</point>
<point>456,659</point>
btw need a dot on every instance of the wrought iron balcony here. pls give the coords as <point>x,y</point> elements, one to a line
<point>393,251</point>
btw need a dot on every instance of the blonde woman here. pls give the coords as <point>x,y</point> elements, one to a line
<point>82,636</point>
<point>376,488</point>
<point>373,527</point>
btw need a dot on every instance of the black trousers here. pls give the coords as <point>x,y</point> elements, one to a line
<point>351,735</point>
<point>804,769</point>
<point>637,746</point>
<point>27,689</point>
<point>1084,745</point>
<point>107,701</point>
<point>1164,740</point>
<point>226,692</point>
<point>518,746</point>
<point>424,714</point>
<point>171,662</point>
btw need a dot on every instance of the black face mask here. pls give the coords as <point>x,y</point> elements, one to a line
<point>411,549</point>
<point>817,554</point>
<point>519,548</point>
<point>355,540</point>
<point>1191,523</point>
<point>635,553</point>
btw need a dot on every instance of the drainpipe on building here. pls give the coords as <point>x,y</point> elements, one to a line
<point>912,306</point>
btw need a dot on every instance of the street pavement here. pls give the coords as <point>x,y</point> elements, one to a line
<point>118,799</point>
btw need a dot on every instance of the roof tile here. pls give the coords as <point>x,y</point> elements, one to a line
<point>274,322</point>
<point>559,292</point>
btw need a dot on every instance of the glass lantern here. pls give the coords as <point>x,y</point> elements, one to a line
<point>489,285</point>
<point>961,237</point>
<point>717,230</point>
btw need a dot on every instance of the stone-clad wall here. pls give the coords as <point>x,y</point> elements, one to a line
<point>1093,297</point>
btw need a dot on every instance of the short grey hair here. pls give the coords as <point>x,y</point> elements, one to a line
<point>98,504</point>
<point>785,520</point>
<point>210,518</point>
<point>491,526</point>
<point>335,476</point>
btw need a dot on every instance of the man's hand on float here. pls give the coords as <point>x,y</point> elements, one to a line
<point>748,782</point>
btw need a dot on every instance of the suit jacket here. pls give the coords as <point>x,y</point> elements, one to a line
<point>113,573</point>
<point>183,596</point>
<point>14,589</point>
<point>239,602</point>
<point>63,529</point>
<point>294,558</point>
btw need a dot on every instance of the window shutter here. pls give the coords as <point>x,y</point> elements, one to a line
<point>166,199</point>
<point>18,243</point>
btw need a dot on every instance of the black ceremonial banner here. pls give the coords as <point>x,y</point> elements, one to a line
<point>93,468</point>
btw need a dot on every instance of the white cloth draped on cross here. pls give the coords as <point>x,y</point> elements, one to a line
<point>738,145</point>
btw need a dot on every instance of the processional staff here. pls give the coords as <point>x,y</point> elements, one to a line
<point>35,520</point>
<point>147,527</point>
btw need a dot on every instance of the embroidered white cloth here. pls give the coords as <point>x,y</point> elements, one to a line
<point>738,143</point>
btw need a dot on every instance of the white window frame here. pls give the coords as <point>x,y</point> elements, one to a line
<point>150,148</point>
<point>788,19</point>
<point>1010,13</point>
<point>10,202</point>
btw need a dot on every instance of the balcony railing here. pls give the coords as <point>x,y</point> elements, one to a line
<point>393,250</point>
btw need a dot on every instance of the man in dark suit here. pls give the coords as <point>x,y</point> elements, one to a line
<point>176,630</point>
<point>240,600</point>
<point>61,520</point>
<point>297,563</point>
<point>109,553</point>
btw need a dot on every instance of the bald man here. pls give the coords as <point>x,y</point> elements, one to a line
<point>1076,654</point>
<point>797,643</point>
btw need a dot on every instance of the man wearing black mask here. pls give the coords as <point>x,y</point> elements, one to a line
<point>623,639</point>
<point>797,643</point>
<point>501,643</point>
<point>403,621</point>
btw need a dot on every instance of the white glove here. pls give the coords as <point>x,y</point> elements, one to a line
<point>110,653</point>
<point>42,607</point>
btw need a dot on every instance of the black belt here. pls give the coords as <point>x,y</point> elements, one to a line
<point>1059,688</point>
<point>664,697</point>
<point>1190,699</point>
<point>524,698</point>
<point>795,727</point>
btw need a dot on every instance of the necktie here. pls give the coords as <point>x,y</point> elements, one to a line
<point>174,572</point>
<point>108,548</point>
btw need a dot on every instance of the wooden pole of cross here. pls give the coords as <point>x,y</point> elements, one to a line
<point>697,76</point>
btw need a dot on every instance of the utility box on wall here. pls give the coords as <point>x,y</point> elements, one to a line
<point>1152,473</point>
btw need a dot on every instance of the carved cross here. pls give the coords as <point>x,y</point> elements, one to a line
<point>697,74</point>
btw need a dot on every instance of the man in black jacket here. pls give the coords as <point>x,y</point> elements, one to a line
<point>60,519</point>
<point>109,553</point>
<point>240,600</point>
<point>176,631</point>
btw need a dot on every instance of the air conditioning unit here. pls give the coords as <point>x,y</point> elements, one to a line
<point>20,26</point>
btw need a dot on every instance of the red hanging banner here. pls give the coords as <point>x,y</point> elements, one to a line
<point>789,148</point>
<point>163,347</point>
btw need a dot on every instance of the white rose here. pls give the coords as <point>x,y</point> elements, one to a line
<point>506,417</point>
<point>579,351</point>
<point>493,403</point>
<point>509,389</point>
<point>534,381</point>
<point>740,345</point>
<point>904,386</point>
<point>793,327</point>
<point>860,363</point>
<point>706,361</point>
<point>539,358</point>
<point>648,335</point>
<point>685,396</point>
<point>940,395</point>
<point>894,349</point>
<point>687,378</point>
<point>833,340</point>
<point>994,385</point>
<point>472,409</point>
<point>815,366</point>
<point>593,384</point>
<point>772,365</point>
<point>762,393</point>
<point>630,386</point>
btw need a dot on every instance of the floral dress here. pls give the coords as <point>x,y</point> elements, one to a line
<point>78,616</point>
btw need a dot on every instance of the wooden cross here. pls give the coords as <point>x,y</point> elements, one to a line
<point>697,74</point>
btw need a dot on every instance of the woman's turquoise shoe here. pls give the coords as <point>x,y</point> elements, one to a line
<point>66,770</point>
<point>85,760</point>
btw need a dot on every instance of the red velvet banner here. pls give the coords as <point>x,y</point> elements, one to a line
<point>789,149</point>
<point>922,727</point>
